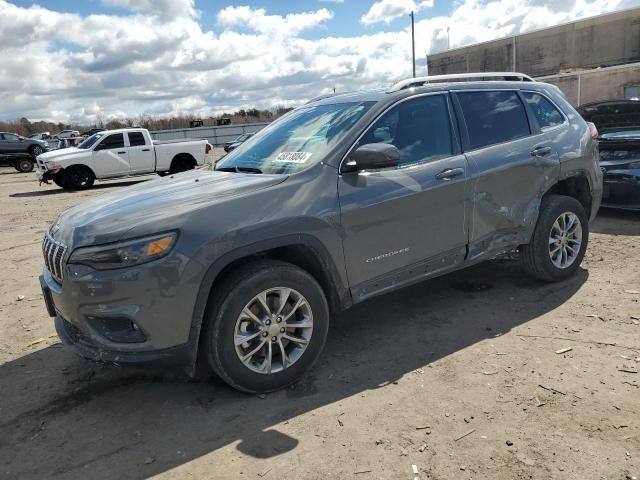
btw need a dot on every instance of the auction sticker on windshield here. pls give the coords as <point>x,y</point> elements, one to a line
<point>293,157</point>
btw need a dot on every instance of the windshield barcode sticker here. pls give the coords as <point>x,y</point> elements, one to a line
<point>293,157</point>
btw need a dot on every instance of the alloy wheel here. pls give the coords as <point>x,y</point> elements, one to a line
<point>565,240</point>
<point>273,330</point>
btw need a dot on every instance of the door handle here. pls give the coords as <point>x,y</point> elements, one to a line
<point>121,153</point>
<point>146,149</point>
<point>540,151</point>
<point>450,173</point>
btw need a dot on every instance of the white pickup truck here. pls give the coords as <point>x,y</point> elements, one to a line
<point>118,153</point>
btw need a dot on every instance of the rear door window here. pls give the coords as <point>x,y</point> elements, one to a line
<point>136,139</point>
<point>112,141</point>
<point>545,112</point>
<point>493,117</point>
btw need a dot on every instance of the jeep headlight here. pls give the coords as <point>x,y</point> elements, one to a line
<point>125,254</point>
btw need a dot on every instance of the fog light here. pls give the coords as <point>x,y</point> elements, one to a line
<point>117,329</point>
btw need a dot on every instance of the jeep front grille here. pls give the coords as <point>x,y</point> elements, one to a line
<point>53,252</point>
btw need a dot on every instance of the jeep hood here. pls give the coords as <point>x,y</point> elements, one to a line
<point>154,206</point>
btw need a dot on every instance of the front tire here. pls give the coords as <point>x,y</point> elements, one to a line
<point>79,177</point>
<point>60,179</point>
<point>24,165</point>
<point>266,326</point>
<point>559,240</point>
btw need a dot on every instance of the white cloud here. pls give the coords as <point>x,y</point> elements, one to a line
<point>388,10</point>
<point>258,20</point>
<point>165,8</point>
<point>67,67</point>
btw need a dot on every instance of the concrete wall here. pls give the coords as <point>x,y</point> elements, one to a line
<point>596,85</point>
<point>215,135</point>
<point>599,41</point>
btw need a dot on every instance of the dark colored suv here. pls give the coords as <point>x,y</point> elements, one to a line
<point>340,200</point>
<point>20,152</point>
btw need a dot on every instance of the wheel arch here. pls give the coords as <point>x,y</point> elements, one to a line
<point>576,185</point>
<point>304,251</point>
<point>183,156</point>
<point>79,165</point>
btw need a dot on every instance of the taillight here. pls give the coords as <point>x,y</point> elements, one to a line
<point>207,148</point>
<point>593,130</point>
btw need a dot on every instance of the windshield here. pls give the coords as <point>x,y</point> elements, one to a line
<point>297,140</point>
<point>89,142</point>
<point>621,134</point>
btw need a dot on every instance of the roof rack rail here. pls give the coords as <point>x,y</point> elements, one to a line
<point>420,81</point>
<point>321,97</point>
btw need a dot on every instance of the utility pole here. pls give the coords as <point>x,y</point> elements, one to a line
<point>413,45</point>
<point>448,40</point>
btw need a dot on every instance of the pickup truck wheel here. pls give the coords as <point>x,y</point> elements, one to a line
<point>266,326</point>
<point>79,178</point>
<point>182,164</point>
<point>60,179</point>
<point>559,240</point>
<point>24,165</point>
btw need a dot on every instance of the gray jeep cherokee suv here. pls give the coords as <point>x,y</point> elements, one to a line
<point>340,200</point>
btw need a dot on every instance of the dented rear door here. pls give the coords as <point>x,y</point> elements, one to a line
<point>512,163</point>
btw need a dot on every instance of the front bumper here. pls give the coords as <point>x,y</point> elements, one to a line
<point>82,346</point>
<point>132,315</point>
<point>44,175</point>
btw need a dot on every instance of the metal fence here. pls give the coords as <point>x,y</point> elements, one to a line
<point>214,135</point>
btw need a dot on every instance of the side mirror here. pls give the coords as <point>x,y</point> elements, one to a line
<point>372,156</point>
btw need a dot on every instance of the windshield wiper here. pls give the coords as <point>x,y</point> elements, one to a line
<point>239,169</point>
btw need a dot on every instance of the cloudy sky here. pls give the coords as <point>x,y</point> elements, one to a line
<point>70,61</point>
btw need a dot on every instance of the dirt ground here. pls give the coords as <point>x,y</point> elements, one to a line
<point>458,377</point>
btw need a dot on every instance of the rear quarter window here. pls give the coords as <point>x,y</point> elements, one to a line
<point>545,112</point>
<point>493,117</point>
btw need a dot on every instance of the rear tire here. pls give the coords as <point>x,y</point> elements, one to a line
<point>293,318</point>
<point>24,165</point>
<point>559,240</point>
<point>79,177</point>
<point>182,164</point>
